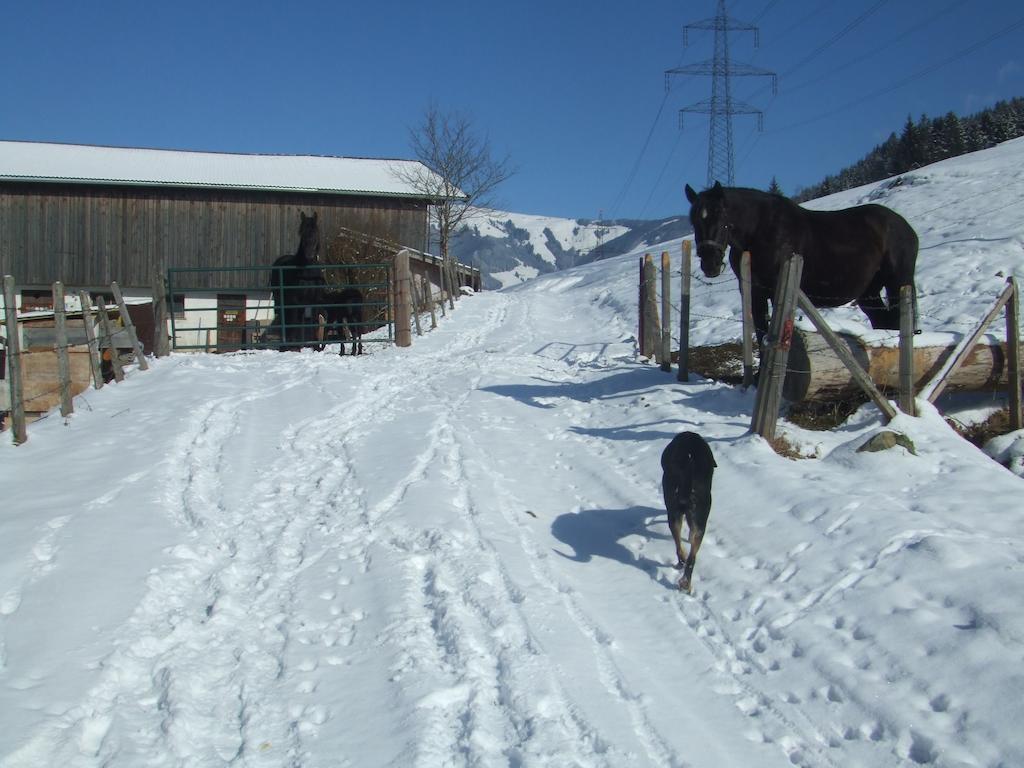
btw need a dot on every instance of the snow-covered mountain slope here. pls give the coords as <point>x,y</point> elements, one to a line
<point>513,247</point>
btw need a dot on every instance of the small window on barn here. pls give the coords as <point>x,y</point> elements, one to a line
<point>32,301</point>
<point>178,306</point>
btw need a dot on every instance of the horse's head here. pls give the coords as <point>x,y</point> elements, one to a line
<point>309,238</point>
<point>708,215</point>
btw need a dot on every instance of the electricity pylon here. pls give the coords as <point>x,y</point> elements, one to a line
<point>721,106</point>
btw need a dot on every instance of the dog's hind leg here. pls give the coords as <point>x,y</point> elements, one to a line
<point>696,537</point>
<point>676,526</point>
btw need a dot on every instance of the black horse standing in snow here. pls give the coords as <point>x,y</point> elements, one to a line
<point>849,255</point>
<point>297,287</point>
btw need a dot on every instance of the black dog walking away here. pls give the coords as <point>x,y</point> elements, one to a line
<point>688,466</point>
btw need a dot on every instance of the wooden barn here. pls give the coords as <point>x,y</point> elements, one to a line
<point>90,215</point>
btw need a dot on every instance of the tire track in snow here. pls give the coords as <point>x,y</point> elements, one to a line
<point>474,638</point>
<point>599,643</point>
<point>483,640</point>
<point>194,670</point>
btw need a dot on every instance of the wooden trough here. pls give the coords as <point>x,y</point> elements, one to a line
<point>815,373</point>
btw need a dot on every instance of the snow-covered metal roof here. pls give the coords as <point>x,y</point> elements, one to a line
<point>75,163</point>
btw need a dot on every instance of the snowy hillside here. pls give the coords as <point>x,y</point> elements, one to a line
<point>511,248</point>
<point>456,554</point>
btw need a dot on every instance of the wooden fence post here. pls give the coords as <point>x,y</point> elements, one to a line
<point>1013,354</point>
<point>91,340</point>
<point>748,321</point>
<point>428,290</point>
<point>450,269</point>
<point>666,312</point>
<point>442,282</point>
<point>773,368</point>
<point>403,300</point>
<point>129,327</point>
<point>161,342</point>
<point>683,374</point>
<point>19,433</point>
<point>417,303</point>
<point>641,334</point>
<point>108,331</point>
<point>652,329</point>
<point>907,404</point>
<point>60,346</point>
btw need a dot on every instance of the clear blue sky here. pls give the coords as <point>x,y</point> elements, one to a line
<point>572,91</point>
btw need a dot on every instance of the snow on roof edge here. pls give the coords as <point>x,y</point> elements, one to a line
<point>46,162</point>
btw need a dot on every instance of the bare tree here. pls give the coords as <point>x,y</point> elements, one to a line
<point>461,172</point>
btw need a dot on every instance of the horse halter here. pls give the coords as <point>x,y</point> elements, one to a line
<point>724,227</point>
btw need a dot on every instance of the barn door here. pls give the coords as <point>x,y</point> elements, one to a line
<point>230,322</point>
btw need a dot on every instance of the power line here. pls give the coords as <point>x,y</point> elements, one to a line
<point>835,38</point>
<point>636,165</point>
<point>834,70</point>
<point>910,78</point>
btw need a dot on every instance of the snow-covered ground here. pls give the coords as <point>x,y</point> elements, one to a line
<point>456,554</point>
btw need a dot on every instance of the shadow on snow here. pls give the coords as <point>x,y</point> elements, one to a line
<point>597,533</point>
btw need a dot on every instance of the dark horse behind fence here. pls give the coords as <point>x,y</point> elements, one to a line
<point>849,255</point>
<point>342,313</point>
<point>297,282</point>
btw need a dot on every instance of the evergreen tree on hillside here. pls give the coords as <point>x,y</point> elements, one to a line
<point>926,141</point>
<point>774,187</point>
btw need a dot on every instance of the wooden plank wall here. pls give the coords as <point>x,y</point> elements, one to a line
<point>91,235</point>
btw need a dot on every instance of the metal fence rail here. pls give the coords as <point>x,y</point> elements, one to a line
<point>273,307</point>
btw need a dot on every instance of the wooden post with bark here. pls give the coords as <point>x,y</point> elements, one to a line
<point>60,346</point>
<point>748,320</point>
<point>773,369</point>
<point>683,374</point>
<point>652,330</point>
<point>19,433</point>
<point>107,330</point>
<point>417,303</point>
<point>641,334</point>
<point>1013,355</point>
<point>403,300</point>
<point>91,340</point>
<point>907,377</point>
<point>129,327</point>
<point>427,289</point>
<point>666,314</point>
<point>161,341</point>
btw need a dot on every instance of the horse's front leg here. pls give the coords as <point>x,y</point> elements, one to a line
<point>759,310</point>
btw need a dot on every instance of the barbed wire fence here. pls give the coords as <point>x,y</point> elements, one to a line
<point>953,357</point>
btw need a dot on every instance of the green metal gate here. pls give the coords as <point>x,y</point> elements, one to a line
<point>227,309</point>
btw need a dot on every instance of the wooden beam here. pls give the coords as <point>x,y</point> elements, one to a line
<point>935,387</point>
<point>843,353</point>
<point>19,433</point>
<point>666,305</point>
<point>129,327</point>
<point>773,369</point>
<point>907,404</point>
<point>748,320</point>
<point>1013,354</point>
<point>683,373</point>
<point>61,347</point>
<point>93,342</point>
